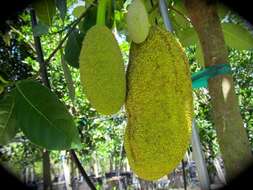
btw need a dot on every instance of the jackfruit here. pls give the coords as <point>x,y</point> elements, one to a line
<point>102,70</point>
<point>159,105</point>
<point>137,21</point>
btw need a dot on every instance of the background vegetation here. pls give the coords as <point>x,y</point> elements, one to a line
<point>102,136</point>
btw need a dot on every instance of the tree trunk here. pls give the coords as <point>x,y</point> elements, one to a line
<point>95,166</point>
<point>111,162</point>
<point>45,81</point>
<point>232,137</point>
<point>46,171</point>
<point>67,172</point>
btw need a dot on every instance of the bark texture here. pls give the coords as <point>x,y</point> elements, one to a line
<point>47,183</point>
<point>232,136</point>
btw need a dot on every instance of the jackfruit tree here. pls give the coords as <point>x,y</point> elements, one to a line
<point>232,137</point>
<point>103,81</point>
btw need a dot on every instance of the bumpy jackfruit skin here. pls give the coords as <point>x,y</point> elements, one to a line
<point>159,105</point>
<point>102,70</point>
<point>137,21</point>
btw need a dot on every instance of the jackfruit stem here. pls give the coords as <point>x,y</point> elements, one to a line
<point>101,11</point>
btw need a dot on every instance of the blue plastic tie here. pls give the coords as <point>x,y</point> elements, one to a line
<point>200,78</point>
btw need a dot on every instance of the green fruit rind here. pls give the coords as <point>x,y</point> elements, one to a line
<point>159,105</point>
<point>102,70</point>
<point>137,21</point>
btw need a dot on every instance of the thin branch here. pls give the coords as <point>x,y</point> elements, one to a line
<point>81,169</point>
<point>155,6</point>
<point>184,175</point>
<point>23,36</point>
<point>45,80</point>
<point>65,28</point>
<point>180,13</point>
<point>67,35</point>
<point>47,183</point>
<point>39,52</point>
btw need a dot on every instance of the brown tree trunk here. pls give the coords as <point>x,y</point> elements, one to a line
<point>46,171</point>
<point>232,137</point>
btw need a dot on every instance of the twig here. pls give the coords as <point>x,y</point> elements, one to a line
<point>66,36</point>
<point>184,175</point>
<point>39,52</point>
<point>20,33</point>
<point>155,6</point>
<point>63,29</point>
<point>180,13</point>
<point>81,169</point>
<point>153,9</point>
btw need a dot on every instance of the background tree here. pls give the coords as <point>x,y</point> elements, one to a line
<point>101,136</point>
<point>232,136</point>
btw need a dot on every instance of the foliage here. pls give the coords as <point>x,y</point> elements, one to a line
<point>52,125</point>
<point>101,136</point>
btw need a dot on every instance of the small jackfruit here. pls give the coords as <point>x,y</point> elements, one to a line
<point>102,70</point>
<point>159,105</point>
<point>137,21</point>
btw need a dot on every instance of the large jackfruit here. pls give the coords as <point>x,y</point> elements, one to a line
<point>137,21</point>
<point>159,105</point>
<point>102,70</point>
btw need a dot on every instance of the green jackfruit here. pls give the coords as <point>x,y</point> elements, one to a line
<point>102,70</point>
<point>159,105</point>
<point>137,21</point>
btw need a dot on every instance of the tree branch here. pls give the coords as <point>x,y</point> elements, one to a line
<point>40,56</point>
<point>184,175</point>
<point>67,35</point>
<point>180,13</point>
<point>44,77</point>
<point>172,8</point>
<point>45,80</point>
<point>23,36</point>
<point>231,134</point>
<point>81,169</point>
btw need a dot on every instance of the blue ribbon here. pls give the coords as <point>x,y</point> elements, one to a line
<point>200,78</point>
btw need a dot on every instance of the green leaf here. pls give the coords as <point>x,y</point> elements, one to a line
<point>222,10</point>
<point>7,119</point>
<point>2,78</point>
<point>45,10</point>
<point>109,16</point>
<point>120,20</point>
<point>73,48</point>
<point>43,118</point>
<point>236,36</point>
<point>69,81</point>
<point>180,7</point>
<point>6,38</point>
<point>62,7</point>
<point>187,36</point>
<point>89,19</point>
<point>40,29</point>
<point>78,10</point>
<point>1,88</point>
<point>68,78</point>
<point>179,15</point>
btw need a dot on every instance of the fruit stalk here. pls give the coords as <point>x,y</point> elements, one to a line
<point>102,4</point>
